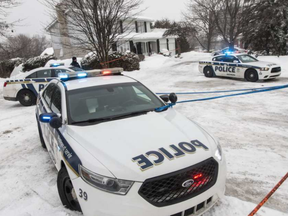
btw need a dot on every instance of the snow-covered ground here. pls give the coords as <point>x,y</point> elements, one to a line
<point>252,130</point>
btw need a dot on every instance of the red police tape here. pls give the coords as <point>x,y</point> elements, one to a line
<point>268,195</point>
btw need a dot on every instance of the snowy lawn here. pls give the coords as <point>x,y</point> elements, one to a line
<point>252,129</point>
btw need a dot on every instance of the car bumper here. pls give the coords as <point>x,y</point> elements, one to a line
<point>10,98</point>
<point>107,204</point>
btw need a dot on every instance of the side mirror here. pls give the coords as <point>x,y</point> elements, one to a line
<point>53,119</point>
<point>165,98</point>
<point>235,61</point>
<point>56,122</point>
<point>173,98</point>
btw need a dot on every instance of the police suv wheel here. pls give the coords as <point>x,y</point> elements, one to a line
<point>66,191</point>
<point>208,72</point>
<point>41,136</point>
<point>26,98</point>
<point>251,75</point>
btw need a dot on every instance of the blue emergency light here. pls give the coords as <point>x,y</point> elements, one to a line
<point>82,75</point>
<point>45,118</point>
<point>63,76</point>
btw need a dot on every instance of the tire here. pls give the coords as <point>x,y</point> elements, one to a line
<point>40,135</point>
<point>66,191</point>
<point>26,98</point>
<point>251,75</point>
<point>208,72</point>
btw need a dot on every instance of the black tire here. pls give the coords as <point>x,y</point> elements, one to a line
<point>26,98</point>
<point>208,72</point>
<point>66,191</point>
<point>41,136</point>
<point>251,75</point>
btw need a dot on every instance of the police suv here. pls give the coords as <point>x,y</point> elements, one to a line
<point>240,66</point>
<point>26,86</point>
<point>122,151</point>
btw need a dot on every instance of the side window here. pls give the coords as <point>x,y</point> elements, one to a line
<point>33,75</point>
<point>47,94</point>
<point>220,58</point>
<point>57,71</point>
<point>229,59</point>
<point>56,101</point>
<point>44,73</point>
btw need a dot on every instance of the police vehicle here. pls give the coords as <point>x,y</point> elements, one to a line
<point>240,66</point>
<point>122,151</point>
<point>26,86</point>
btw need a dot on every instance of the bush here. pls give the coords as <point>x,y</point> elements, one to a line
<point>7,66</point>
<point>127,61</point>
<point>36,62</point>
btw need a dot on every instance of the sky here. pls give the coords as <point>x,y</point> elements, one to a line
<point>34,15</point>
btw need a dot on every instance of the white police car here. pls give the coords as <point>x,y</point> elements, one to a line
<point>26,86</point>
<point>240,66</point>
<point>122,151</point>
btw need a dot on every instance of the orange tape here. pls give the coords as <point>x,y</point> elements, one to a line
<point>268,195</point>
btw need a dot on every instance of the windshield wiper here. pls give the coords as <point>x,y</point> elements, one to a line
<point>100,120</point>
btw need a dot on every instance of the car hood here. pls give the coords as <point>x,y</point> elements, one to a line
<point>115,143</point>
<point>262,64</point>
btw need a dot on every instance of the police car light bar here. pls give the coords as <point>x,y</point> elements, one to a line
<point>90,73</point>
<point>82,74</point>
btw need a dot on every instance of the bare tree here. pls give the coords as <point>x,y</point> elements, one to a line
<point>23,46</point>
<point>5,5</point>
<point>230,17</point>
<point>94,25</point>
<point>202,21</point>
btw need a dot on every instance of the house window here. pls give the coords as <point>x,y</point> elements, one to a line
<point>136,26</point>
<point>121,27</point>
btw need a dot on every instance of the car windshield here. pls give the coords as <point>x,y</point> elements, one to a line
<point>246,58</point>
<point>108,102</point>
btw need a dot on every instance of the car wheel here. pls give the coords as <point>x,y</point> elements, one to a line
<point>40,135</point>
<point>26,98</point>
<point>66,191</point>
<point>208,72</point>
<point>251,75</point>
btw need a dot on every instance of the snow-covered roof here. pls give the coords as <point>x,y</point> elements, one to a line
<point>48,51</point>
<point>143,18</point>
<point>153,35</point>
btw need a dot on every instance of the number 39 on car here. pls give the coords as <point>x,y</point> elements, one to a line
<point>122,151</point>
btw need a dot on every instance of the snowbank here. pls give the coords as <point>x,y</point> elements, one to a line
<point>252,131</point>
<point>48,51</point>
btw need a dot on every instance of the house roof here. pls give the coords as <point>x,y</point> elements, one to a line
<point>153,35</point>
<point>139,18</point>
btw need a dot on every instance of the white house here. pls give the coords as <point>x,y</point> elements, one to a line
<point>140,38</point>
<point>136,35</point>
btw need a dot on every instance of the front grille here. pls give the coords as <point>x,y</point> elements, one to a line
<point>276,70</point>
<point>168,189</point>
<point>274,76</point>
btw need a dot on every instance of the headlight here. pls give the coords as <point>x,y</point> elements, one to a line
<point>218,153</point>
<point>265,69</point>
<point>111,185</point>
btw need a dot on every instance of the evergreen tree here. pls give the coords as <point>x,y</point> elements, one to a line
<point>267,29</point>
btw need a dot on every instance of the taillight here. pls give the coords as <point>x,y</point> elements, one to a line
<point>5,84</point>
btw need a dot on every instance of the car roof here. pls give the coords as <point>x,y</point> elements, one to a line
<point>96,81</point>
<point>233,54</point>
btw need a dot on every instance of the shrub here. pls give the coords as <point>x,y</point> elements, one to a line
<point>7,66</point>
<point>128,61</point>
<point>36,62</point>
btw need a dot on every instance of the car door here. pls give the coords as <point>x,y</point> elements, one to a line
<point>56,108</point>
<point>38,80</point>
<point>219,65</point>
<point>45,102</point>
